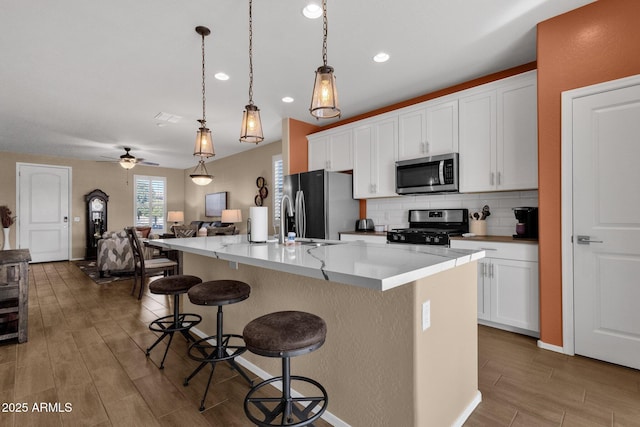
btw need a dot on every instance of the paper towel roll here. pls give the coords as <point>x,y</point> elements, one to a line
<point>258,224</point>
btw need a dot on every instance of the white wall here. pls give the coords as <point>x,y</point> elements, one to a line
<point>394,211</point>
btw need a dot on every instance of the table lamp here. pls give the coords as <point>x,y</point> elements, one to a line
<point>230,216</point>
<point>175,217</point>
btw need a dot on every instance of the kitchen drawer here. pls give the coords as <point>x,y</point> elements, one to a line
<point>515,251</point>
<point>370,238</point>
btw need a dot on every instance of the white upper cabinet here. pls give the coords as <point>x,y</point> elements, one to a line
<point>498,136</point>
<point>517,135</point>
<point>331,150</point>
<point>412,141</point>
<point>429,129</point>
<point>478,142</point>
<point>375,145</point>
<point>442,127</point>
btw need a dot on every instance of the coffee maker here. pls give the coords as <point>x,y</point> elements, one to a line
<point>527,226</point>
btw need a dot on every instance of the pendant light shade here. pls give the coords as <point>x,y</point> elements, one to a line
<point>204,142</point>
<point>324,100</point>
<point>200,175</point>
<point>251,125</point>
<point>251,129</point>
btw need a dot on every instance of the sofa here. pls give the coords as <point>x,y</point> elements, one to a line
<point>114,252</point>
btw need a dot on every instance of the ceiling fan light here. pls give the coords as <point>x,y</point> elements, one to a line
<point>324,101</point>
<point>200,175</point>
<point>251,130</point>
<point>204,143</point>
<point>128,163</point>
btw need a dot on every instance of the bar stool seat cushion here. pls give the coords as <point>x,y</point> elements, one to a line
<point>172,285</point>
<point>219,292</point>
<point>285,333</point>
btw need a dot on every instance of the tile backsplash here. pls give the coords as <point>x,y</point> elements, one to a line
<point>394,211</point>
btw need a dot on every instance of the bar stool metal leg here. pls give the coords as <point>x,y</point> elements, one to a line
<point>225,349</point>
<point>168,325</point>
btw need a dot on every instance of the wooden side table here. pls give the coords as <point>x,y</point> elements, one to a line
<point>14,294</point>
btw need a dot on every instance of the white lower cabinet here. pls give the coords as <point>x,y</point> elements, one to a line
<point>370,238</point>
<point>508,294</point>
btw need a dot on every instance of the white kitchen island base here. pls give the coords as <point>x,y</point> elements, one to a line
<point>378,365</point>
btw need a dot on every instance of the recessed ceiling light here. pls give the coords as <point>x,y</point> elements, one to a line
<point>312,11</point>
<point>381,57</point>
<point>221,76</point>
<point>287,99</point>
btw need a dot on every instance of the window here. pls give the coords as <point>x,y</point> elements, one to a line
<point>150,202</point>
<point>277,187</point>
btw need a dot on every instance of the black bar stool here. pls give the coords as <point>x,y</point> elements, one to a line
<point>285,334</point>
<point>217,293</point>
<point>176,322</point>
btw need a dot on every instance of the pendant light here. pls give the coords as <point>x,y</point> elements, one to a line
<point>200,175</point>
<point>204,143</point>
<point>324,101</point>
<point>251,130</point>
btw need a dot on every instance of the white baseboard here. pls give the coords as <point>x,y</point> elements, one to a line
<point>468,410</point>
<point>551,347</point>
<point>261,373</point>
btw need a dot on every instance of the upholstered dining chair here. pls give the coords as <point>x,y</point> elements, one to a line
<point>144,267</point>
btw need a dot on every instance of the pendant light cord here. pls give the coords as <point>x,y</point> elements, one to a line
<point>204,117</point>
<point>325,30</point>
<point>250,52</point>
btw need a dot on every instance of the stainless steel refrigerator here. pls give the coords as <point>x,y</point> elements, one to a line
<point>323,203</point>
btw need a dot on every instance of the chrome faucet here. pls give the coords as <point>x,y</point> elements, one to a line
<point>283,222</point>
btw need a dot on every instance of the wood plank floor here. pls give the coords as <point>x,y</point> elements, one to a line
<point>86,347</point>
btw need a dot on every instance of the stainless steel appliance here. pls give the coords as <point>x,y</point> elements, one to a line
<point>527,226</point>
<point>365,225</point>
<point>324,203</point>
<point>431,227</point>
<point>435,174</point>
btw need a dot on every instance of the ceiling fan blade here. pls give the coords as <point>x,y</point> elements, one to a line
<point>148,163</point>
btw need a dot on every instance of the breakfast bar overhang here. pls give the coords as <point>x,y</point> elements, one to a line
<point>401,347</point>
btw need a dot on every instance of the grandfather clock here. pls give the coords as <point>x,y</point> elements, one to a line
<point>96,220</point>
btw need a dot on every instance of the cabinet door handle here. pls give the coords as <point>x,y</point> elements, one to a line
<point>426,147</point>
<point>491,270</point>
<point>499,179</point>
<point>488,249</point>
<point>484,269</point>
<point>492,178</point>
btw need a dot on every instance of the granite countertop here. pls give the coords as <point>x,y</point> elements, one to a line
<point>371,265</point>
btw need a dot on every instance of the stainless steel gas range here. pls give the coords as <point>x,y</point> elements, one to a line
<point>431,227</point>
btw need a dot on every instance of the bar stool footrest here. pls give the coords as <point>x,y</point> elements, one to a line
<point>169,324</point>
<point>203,351</point>
<point>273,409</point>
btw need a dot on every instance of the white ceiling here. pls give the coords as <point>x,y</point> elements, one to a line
<point>82,78</point>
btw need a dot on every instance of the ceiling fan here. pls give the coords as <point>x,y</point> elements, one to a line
<point>128,161</point>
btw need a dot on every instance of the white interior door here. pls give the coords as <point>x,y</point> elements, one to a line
<point>606,213</point>
<point>43,209</point>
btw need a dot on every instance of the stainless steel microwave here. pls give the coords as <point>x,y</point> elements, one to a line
<point>435,174</point>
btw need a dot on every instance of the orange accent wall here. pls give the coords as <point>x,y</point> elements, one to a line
<point>298,149</point>
<point>593,44</point>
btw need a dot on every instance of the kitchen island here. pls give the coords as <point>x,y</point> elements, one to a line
<point>381,364</point>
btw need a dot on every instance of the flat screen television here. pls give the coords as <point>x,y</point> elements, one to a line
<point>215,203</point>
